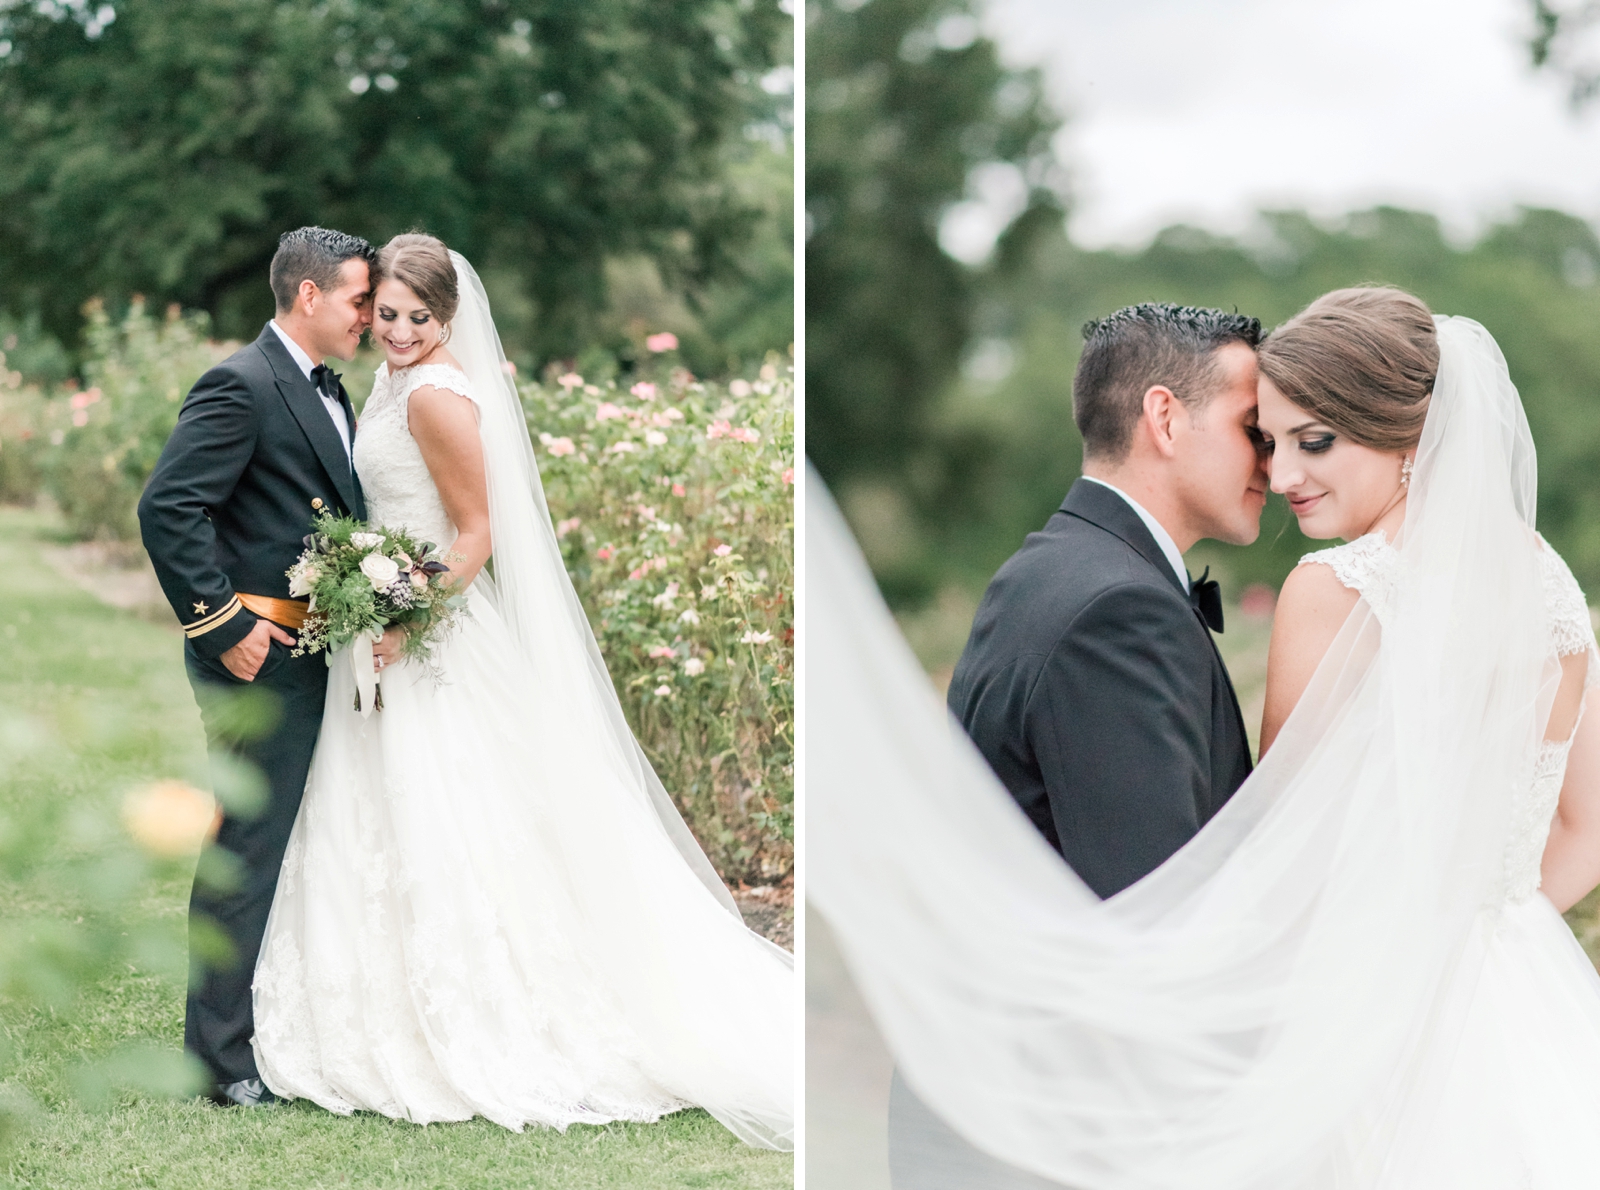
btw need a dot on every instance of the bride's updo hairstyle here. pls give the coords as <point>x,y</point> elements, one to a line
<point>1361,361</point>
<point>422,264</point>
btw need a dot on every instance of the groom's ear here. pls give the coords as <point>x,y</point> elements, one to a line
<point>1162,410</point>
<point>305,298</point>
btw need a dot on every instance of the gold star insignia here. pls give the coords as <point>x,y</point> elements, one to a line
<point>200,609</point>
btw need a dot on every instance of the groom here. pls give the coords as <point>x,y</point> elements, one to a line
<point>262,445</point>
<point>1090,681</point>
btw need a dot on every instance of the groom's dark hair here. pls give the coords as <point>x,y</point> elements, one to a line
<point>313,254</point>
<point>1139,347</point>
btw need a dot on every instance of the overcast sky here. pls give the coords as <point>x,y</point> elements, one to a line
<point>1205,110</point>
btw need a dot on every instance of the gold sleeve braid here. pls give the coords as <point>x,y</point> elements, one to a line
<point>221,616</point>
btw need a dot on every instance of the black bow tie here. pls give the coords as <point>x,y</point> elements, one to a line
<point>327,381</point>
<point>1205,596</point>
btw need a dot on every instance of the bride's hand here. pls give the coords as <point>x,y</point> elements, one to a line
<point>388,650</point>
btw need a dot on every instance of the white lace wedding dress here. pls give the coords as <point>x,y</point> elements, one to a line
<point>1520,1105</point>
<point>476,917</point>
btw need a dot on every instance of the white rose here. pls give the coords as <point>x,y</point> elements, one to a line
<point>380,571</point>
<point>694,666</point>
<point>367,541</point>
<point>302,578</point>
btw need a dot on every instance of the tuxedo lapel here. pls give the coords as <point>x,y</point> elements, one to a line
<point>1103,508</point>
<point>305,403</point>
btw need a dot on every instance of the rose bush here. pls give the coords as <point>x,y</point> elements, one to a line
<point>672,498</point>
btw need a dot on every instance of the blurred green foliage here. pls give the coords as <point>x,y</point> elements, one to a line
<point>80,725</point>
<point>904,104</point>
<point>161,146</point>
<point>96,447</point>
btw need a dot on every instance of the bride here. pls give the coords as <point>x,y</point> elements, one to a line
<point>1356,975</point>
<point>489,905</point>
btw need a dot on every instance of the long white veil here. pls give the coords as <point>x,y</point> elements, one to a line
<point>530,587</point>
<point>1258,1012</point>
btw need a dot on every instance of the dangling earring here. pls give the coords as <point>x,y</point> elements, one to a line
<point>444,335</point>
<point>1405,471</point>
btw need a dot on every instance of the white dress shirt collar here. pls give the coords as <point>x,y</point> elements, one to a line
<point>296,352</point>
<point>1163,538</point>
<point>335,410</point>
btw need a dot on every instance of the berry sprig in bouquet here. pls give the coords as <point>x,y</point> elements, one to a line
<point>361,580</point>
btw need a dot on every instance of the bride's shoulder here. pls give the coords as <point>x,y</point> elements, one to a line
<point>1318,589</point>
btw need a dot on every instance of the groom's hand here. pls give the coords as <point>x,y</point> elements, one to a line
<point>244,659</point>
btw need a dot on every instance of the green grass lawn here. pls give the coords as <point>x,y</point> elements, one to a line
<point>92,702</point>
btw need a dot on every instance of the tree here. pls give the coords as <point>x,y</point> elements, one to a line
<point>160,146</point>
<point>905,104</point>
<point>1561,42</point>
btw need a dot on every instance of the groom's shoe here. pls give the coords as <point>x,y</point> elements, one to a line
<point>248,1092</point>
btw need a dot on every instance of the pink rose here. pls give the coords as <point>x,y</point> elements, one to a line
<point>722,551</point>
<point>677,490</point>
<point>788,476</point>
<point>662,651</point>
<point>644,390</point>
<point>607,412</point>
<point>665,341</point>
<point>569,381</point>
<point>604,553</point>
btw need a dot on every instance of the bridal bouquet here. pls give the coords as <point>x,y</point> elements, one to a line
<point>360,581</point>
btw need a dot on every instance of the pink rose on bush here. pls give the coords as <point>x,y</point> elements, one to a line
<point>663,651</point>
<point>678,490</point>
<point>569,381</point>
<point>604,553</point>
<point>644,390</point>
<point>722,551</point>
<point>608,412</point>
<point>788,476</point>
<point>665,341</point>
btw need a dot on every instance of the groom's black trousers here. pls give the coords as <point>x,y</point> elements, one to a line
<point>218,1021</point>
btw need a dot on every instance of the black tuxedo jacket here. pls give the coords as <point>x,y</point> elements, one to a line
<point>1097,695</point>
<point>253,457</point>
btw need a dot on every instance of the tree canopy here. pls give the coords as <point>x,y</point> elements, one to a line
<point>904,104</point>
<point>161,146</point>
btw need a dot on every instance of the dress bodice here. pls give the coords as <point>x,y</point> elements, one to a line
<point>399,490</point>
<point>1371,566</point>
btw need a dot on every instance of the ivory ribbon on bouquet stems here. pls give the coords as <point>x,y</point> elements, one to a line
<point>366,676</point>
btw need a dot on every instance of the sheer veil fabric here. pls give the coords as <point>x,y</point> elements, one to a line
<point>1277,1005</point>
<point>529,586</point>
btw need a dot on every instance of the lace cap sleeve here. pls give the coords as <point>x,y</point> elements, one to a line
<point>1368,564</point>
<point>1571,629</point>
<point>442,376</point>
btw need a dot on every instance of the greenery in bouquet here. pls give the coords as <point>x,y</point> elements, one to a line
<point>673,502</point>
<point>361,580</point>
